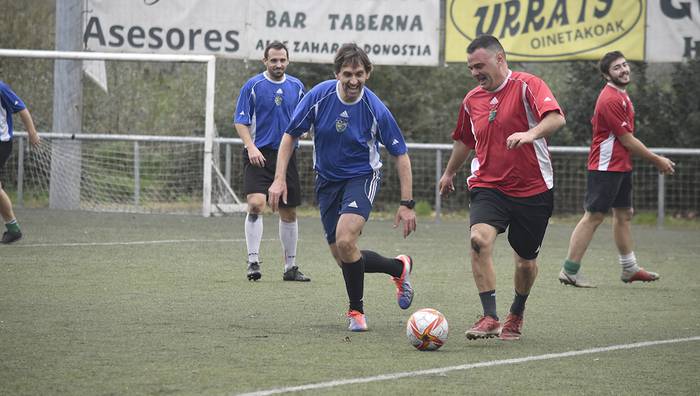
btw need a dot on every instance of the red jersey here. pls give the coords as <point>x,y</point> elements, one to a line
<point>486,119</point>
<point>613,116</point>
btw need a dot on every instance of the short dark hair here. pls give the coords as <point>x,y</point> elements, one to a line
<point>607,60</point>
<point>351,54</point>
<point>276,45</point>
<point>485,41</point>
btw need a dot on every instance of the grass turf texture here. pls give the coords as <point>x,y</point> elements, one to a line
<point>181,318</point>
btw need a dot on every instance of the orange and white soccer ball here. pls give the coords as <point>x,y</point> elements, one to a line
<point>427,329</point>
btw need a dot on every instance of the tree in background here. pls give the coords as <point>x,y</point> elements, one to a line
<point>684,113</point>
<point>653,103</point>
<point>423,99</point>
<point>577,93</point>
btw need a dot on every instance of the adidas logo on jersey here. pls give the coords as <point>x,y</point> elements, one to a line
<point>395,142</point>
<point>547,99</point>
<point>494,101</point>
<point>241,113</point>
<point>352,204</point>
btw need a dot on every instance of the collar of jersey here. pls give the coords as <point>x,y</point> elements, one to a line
<point>503,84</point>
<point>612,85</point>
<point>267,77</point>
<point>337,93</point>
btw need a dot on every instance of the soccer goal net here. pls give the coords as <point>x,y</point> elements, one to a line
<point>147,140</point>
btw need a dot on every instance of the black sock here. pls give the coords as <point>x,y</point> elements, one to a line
<point>488,301</point>
<point>354,274</point>
<point>518,306</point>
<point>375,262</point>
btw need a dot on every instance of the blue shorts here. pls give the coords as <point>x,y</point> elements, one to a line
<point>354,195</point>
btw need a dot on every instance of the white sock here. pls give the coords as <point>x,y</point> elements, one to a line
<point>629,262</point>
<point>253,236</point>
<point>289,234</point>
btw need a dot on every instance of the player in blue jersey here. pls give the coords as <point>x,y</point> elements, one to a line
<point>10,104</point>
<point>264,108</point>
<point>349,122</point>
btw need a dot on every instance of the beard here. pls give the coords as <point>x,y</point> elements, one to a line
<point>620,82</point>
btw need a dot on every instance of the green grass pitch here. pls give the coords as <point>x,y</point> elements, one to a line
<point>148,304</point>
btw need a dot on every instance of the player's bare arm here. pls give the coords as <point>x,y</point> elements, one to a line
<point>405,215</point>
<point>254,155</point>
<point>29,126</point>
<point>549,124</point>
<point>460,153</point>
<point>636,147</point>
<point>278,189</point>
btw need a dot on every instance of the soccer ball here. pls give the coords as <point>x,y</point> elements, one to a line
<point>427,329</point>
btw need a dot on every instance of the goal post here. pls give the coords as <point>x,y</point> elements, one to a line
<point>209,127</point>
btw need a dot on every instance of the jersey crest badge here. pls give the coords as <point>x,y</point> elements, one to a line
<point>278,97</point>
<point>341,123</point>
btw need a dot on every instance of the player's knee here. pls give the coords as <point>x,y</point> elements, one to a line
<point>595,218</point>
<point>624,214</point>
<point>344,244</point>
<point>288,215</point>
<point>288,218</point>
<point>255,208</point>
<point>256,203</point>
<point>477,243</point>
<point>522,264</point>
<point>252,217</point>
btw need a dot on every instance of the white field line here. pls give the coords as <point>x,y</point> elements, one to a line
<point>385,377</point>
<point>132,243</point>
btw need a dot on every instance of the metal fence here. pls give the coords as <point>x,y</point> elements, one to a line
<point>677,195</point>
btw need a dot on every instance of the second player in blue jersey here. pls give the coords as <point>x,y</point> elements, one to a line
<point>348,122</point>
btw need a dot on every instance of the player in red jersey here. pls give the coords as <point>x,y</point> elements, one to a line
<point>505,120</point>
<point>609,181</point>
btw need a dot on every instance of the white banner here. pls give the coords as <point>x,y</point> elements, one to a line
<point>392,32</point>
<point>673,30</point>
<point>397,32</point>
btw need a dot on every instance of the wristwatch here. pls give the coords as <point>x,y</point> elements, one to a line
<point>408,203</point>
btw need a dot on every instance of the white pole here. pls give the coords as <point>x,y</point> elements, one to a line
<point>661,203</point>
<point>208,137</point>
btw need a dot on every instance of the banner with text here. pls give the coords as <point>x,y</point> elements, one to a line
<point>396,32</point>
<point>673,30</point>
<point>184,27</point>
<point>547,30</point>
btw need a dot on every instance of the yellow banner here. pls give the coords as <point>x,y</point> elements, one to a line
<point>548,30</point>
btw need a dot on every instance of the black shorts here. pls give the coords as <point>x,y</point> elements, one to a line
<point>5,152</point>
<point>525,218</point>
<point>607,189</point>
<point>258,180</point>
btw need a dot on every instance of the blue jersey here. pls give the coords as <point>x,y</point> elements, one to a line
<point>346,135</point>
<point>266,107</point>
<point>10,103</point>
